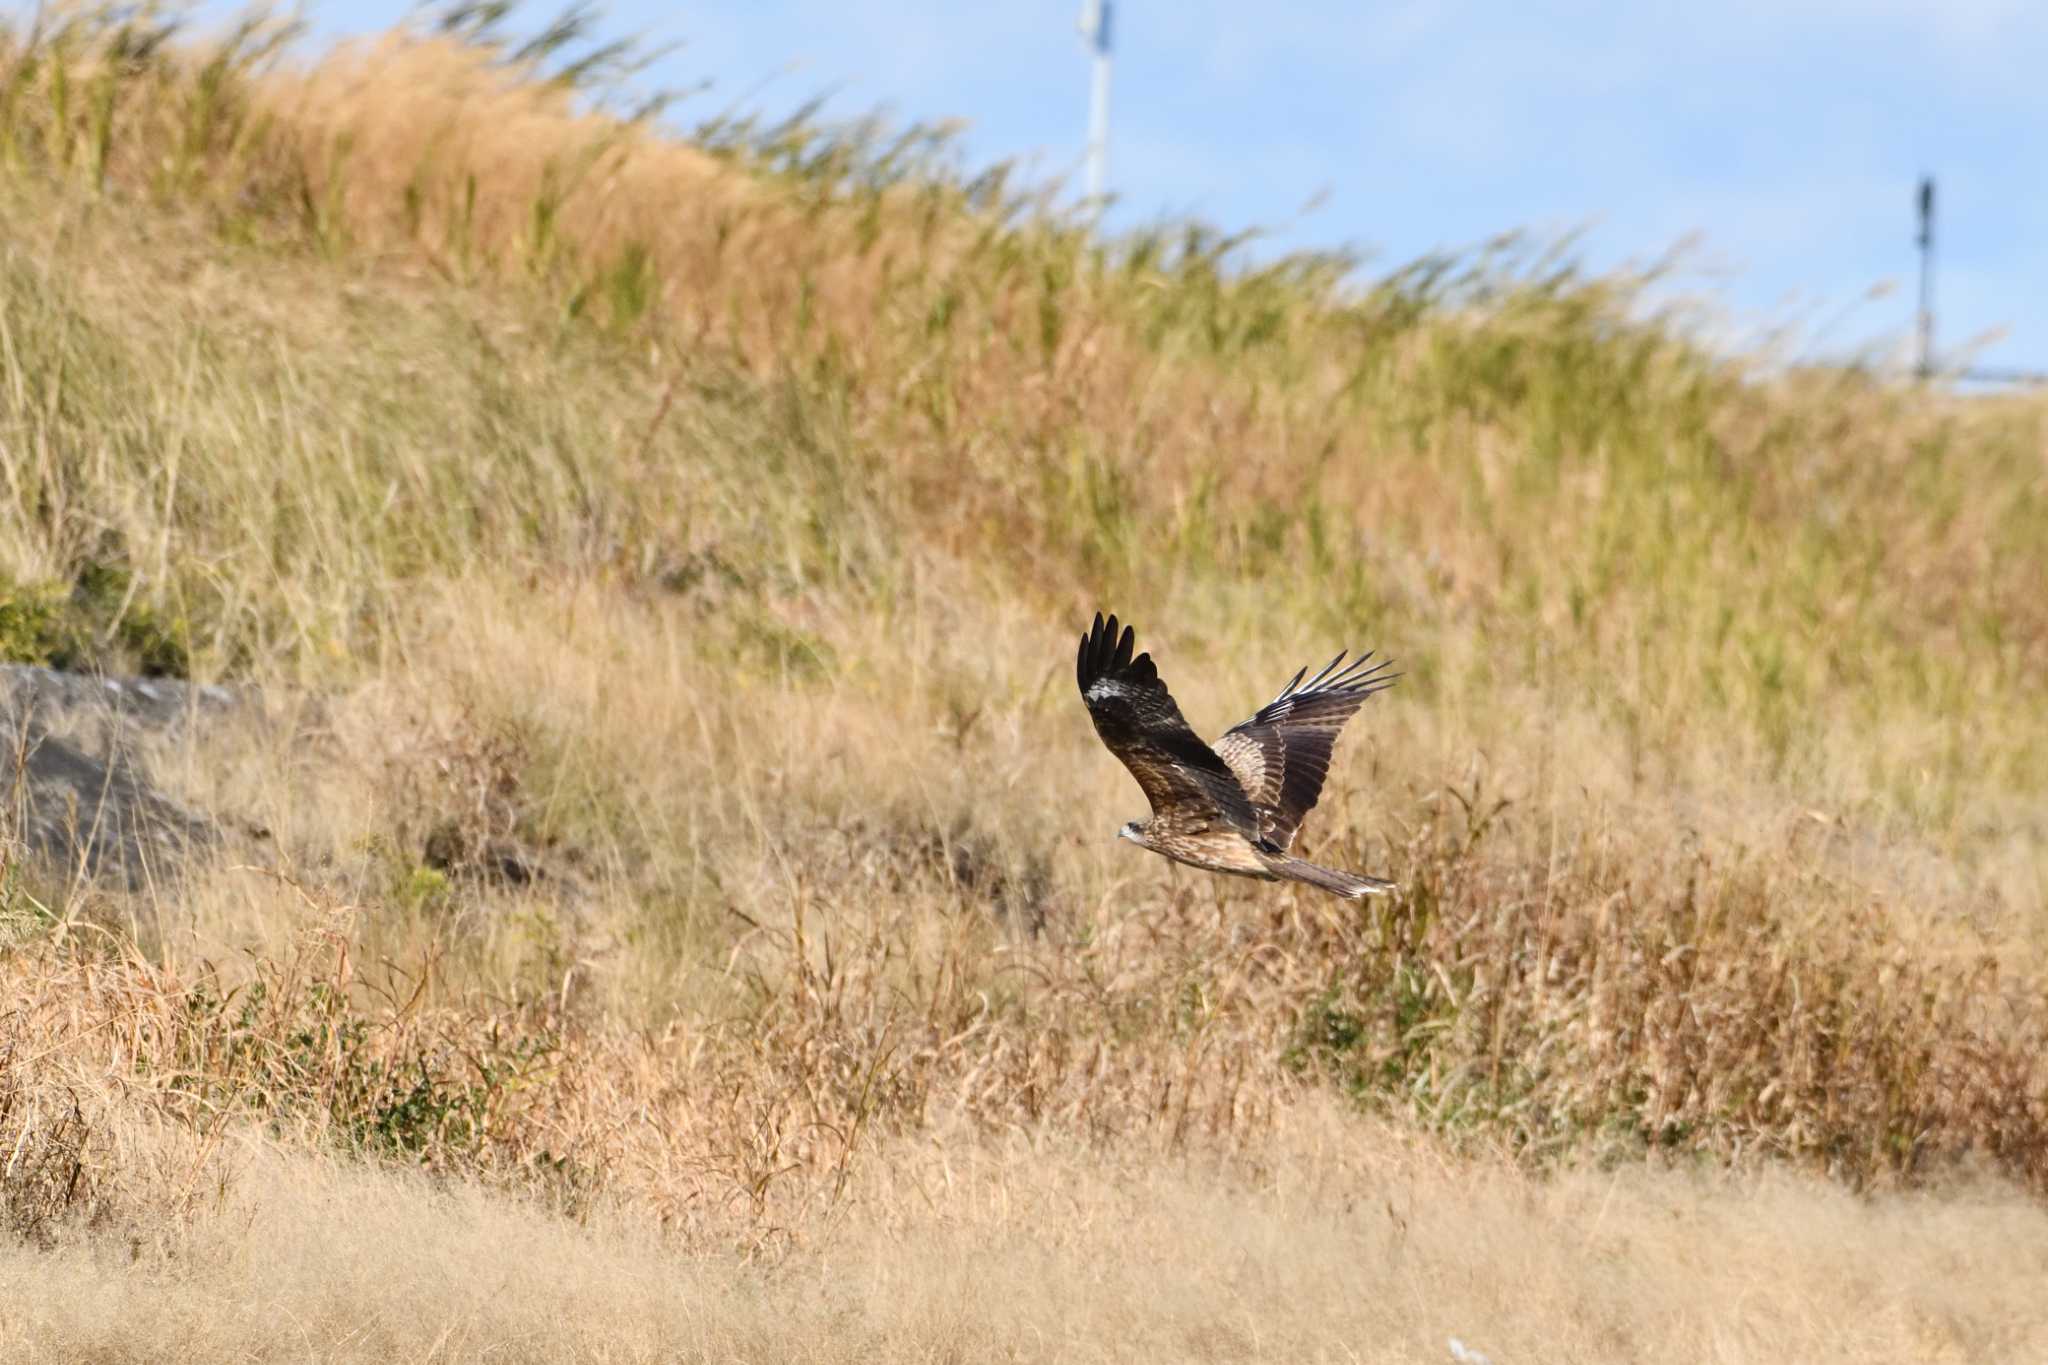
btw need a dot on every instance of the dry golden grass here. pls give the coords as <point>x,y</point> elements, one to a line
<point>1346,1244</point>
<point>682,860</point>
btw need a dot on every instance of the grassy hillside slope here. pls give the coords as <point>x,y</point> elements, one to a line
<point>671,827</point>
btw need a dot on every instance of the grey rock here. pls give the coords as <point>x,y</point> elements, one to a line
<point>147,704</point>
<point>77,799</point>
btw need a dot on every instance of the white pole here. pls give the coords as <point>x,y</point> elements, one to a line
<point>1095,27</point>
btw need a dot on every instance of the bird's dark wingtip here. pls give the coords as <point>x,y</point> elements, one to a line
<point>1103,650</point>
<point>1362,675</point>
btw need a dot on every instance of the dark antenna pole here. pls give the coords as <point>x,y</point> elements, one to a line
<point>1925,367</point>
<point>1923,364</point>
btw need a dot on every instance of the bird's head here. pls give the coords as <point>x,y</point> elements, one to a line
<point>1132,832</point>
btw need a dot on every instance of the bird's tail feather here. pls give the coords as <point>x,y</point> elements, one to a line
<point>1349,885</point>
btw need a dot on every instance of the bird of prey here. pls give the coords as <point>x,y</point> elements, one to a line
<point>1233,808</point>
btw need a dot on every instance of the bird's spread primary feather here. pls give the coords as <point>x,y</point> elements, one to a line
<point>1234,808</point>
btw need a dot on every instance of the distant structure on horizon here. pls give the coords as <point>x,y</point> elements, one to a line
<point>1924,362</point>
<point>1095,31</point>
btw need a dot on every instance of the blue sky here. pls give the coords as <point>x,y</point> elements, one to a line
<point>1789,137</point>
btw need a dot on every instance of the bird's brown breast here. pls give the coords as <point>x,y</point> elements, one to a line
<point>1217,850</point>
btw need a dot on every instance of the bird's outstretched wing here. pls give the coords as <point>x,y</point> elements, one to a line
<point>1183,778</point>
<point>1282,754</point>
